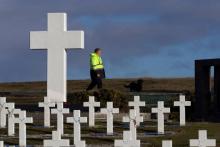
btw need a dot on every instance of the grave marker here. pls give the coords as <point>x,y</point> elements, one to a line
<point>22,120</point>
<point>11,114</point>
<point>91,104</point>
<point>3,112</point>
<point>56,141</point>
<point>76,120</point>
<point>46,105</point>
<point>167,143</point>
<point>182,103</point>
<point>133,119</point>
<point>137,104</point>
<point>59,111</point>
<point>160,110</point>
<point>127,141</point>
<point>57,39</point>
<point>109,111</point>
<point>202,141</point>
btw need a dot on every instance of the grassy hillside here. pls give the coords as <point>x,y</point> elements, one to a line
<point>150,84</point>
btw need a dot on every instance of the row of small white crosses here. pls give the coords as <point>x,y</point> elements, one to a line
<point>203,141</point>
<point>182,103</point>
<point>110,110</point>
<point>161,110</point>
<point>133,119</point>
<point>59,111</point>
<point>56,140</point>
<point>8,109</point>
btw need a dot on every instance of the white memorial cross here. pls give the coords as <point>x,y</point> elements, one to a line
<point>22,120</point>
<point>46,105</point>
<point>127,141</point>
<point>167,143</point>
<point>11,114</point>
<point>160,115</point>
<point>137,104</point>
<point>202,141</point>
<point>56,141</point>
<point>59,111</point>
<point>182,103</point>
<point>57,39</point>
<point>133,119</point>
<point>109,111</point>
<point>3,112</point>
<point>76,120</point>
<point>91,104</point>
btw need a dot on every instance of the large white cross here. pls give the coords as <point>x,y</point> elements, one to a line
<point>182,103</point>
<point>109,111</point>
<point>57,39</point>
<point>3,112</point>
<point>202,141</point>
<point>160,116</point>
<point>59,111</point>
<point>22,120</point>
<point>56,141</point>
<point>11,114</point>
<point>127,141</point>
<point>133,119</point>
<point>167,143</point>
<point>76,120</point>
<point>137,104</point>
<point>46,105</point>
<point>91,104</point>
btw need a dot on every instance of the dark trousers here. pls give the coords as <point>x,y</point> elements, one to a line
<point>96,81</point>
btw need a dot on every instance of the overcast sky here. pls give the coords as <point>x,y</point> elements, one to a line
<point>140,38</point>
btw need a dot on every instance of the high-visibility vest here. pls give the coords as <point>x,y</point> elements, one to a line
<point>96,62</point>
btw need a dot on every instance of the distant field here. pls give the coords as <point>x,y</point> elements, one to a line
<point>150,84</point>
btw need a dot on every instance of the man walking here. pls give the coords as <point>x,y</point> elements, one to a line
<point>97,71</point>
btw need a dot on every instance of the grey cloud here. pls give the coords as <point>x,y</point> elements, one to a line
<point>126,29</point>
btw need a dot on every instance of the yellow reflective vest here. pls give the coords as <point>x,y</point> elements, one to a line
<point>96,62</point>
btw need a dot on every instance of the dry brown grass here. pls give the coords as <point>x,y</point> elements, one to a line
<point>150,84</point>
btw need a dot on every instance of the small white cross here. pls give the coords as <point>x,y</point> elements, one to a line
<point>59,111</point>
<point>109,111</point>
<point>76,120</point>
<point>3,112</point>
<point>57,40</point>
<point>22,120</point>
<point>11,114</point>
<point>133,119</point>
<point>91,104</point>
<point>202,141</point>
<point>137,104</point>
<point>182,103</point>
<point>167,143</point>
<point>160,115</point>
<point>56,141</point>
<point>127,141</point>
<point>46,105</point>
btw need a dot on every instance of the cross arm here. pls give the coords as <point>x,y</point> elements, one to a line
<point>69,120</point>
<point>126,119</point>
<point>29,120</point>
<point>154,110</point>
<point>116,110</point>
<point>83,119</point>
<point>38,40</point>
<point>74,39</point>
